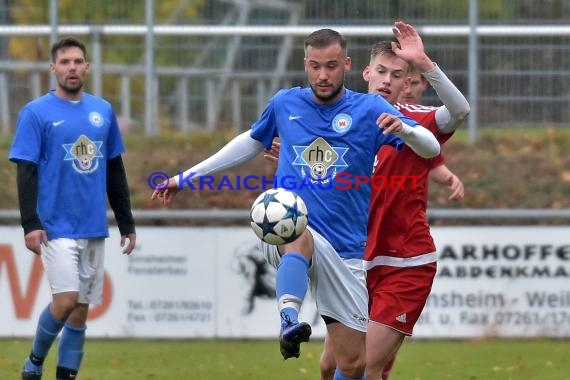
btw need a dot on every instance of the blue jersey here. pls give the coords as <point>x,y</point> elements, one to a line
<point>327,156</point>
<point>71,143</point>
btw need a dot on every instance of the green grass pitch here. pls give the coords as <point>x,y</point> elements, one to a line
<point>486,359</point>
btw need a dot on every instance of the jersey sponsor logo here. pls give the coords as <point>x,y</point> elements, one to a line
<point>342,122</point>
<point>292,117</point>
<point>322,160</point>
<point>83,154</point>
<point>56,123</point>
<point>401,318</point>
<point>96,119</point>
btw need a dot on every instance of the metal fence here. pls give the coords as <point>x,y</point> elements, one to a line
<point>195,64</point>
<point>490,216</point>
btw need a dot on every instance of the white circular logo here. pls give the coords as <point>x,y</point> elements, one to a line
<point>342,122</point>
<point>96,119</point>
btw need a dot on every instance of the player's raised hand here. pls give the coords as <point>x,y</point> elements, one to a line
<point>166,191</point>
<point>390,123</point>
<point>272,155</point>
<point>410,46</point>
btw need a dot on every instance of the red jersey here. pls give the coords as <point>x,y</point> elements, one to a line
<point>397,225</point>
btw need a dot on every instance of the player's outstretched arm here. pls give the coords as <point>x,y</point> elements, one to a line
<point>239,150</point>
<point>442,175</point>
<point>165,191</point>
<point>421,140</point>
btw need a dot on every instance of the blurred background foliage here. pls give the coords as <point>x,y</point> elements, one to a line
<point>519,161</point>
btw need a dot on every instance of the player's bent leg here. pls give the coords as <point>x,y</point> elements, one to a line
<point>47,330</point>
<point>397,298</point>
<point>91,274</point>
<point>59,259</point>
<point>382,343</point>
<point>327,363</point>
<point>349,347</point>
<point>291,283</point>
<point>50,324</point>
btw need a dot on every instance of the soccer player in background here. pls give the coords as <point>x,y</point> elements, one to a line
<point>400,254</point>
<point>324,129</point>
<point>68,148</point>
<point>412,93</point>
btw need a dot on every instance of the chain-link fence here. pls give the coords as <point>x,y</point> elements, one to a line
<point>215,64</point>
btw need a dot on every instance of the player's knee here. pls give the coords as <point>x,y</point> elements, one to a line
<point>63,304</point>
<point>353,367</point>
<point>78,317</point>
<point>304,245</point>
<point>327,366</point>
<point>327,373</point>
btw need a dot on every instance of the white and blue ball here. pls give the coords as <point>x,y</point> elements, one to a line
<point>278,216</point>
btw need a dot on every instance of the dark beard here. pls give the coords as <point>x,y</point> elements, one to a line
<point>72,90</point>
<point>326,99</point>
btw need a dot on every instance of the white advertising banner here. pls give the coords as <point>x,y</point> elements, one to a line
<point>179,283</point>
<point>166,288</point>
<point>213,282</point>
<point>499,281</point>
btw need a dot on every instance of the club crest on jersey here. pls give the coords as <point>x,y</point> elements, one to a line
<point>83,154</point>
<point>96,119</point>
<point>322,160</point>
<point>342,122</point>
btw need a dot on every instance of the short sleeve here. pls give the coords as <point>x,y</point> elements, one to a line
<point>264,129</point>
<point>27,142</point>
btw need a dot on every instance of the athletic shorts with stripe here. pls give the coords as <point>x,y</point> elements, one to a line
<point>338,285</point>
<point>399,294</point>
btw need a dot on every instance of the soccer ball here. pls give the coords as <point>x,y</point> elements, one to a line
<point>278,216</point>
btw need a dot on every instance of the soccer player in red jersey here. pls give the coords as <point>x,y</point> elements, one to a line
<point>412,94</point>
<point>400,252</point>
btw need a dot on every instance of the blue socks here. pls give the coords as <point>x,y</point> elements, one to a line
<point>70,351</point>
<point>70,346</point>
<point>339,376</point>
<point>46,332</point>
<point>291,283</point>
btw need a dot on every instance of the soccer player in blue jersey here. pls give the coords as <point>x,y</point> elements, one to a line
<point>329,137</point>
<point>68,150</point>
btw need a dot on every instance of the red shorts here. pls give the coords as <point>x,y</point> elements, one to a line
<point>397,295</point>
